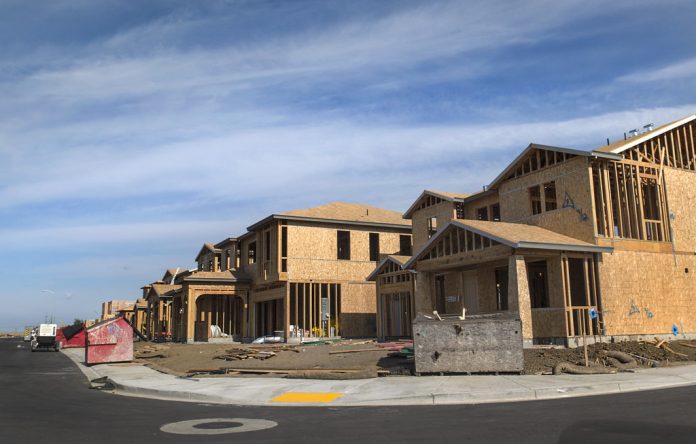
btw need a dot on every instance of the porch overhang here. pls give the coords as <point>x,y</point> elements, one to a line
<point>399,261</point>
<point>462,242</point>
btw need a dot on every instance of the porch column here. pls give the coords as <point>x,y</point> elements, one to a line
<point>286,312</point>
<point>423,298</point>
<point>380,309</point>
<point>518,294</point>
<point>190,314</point>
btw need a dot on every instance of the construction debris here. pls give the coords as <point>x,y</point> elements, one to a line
<point>621,361</point>
<point>359,350</point>
<point>567,367</point>
<point>241,354</point>
<point>661,343</point>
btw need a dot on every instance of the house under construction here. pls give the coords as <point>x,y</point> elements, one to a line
<point>598,243</point>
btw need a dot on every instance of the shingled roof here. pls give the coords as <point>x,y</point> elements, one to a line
<point>513,235</point>
<point>342,212</point>
<point>393,258</point>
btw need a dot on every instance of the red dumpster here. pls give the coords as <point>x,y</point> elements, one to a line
<point>109,341</point>
<point>71,336</point>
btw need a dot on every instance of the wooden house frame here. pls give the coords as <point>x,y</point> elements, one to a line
<point>626,209</point>
<point>396,288</point>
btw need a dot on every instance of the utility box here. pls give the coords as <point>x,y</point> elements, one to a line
<point>109,341</point>
<point>487,343</point>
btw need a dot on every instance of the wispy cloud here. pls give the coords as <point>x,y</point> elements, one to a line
<point>167,124</point>
<point>679,70</point>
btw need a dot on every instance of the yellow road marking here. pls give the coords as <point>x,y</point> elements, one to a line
<point>307,397</point>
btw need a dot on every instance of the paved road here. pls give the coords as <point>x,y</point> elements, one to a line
<point>44,398</point>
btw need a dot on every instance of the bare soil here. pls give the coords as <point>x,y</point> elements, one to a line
<point>318,361</point>
<point>181,359</point>
<point>542,360</point>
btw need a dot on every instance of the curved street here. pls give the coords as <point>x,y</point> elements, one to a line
<point>45,398</point>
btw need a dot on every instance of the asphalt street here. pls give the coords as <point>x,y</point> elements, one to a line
<point>44,398</point>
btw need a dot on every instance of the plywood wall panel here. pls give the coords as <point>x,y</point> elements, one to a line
<point>646,293</point>
<point>681,199</point>
<point>571,177</point>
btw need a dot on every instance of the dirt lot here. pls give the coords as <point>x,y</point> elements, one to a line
<point>329,361</point>
<point>542,360</point>
<point>287,361</point>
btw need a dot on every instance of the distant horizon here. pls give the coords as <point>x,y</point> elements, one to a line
<point>134,132</point>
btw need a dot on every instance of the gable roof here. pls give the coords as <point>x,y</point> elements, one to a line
<point>342,213</point>
<point>221,276</point>
<point>392,258</point>
<point>222,243</point>
<point>514,236</point>
<point>207,246</point>
<point>622,145</point>
<point>161,290</point>
<point>444,195</point>
<point>535,146</point>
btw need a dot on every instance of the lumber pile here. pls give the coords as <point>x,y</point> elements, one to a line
<point>264,371</point>
<point>241,354</point>
<point>662,343</point>
<point>150,351</point>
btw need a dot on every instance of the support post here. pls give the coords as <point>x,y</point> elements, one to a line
<point>518,295</point>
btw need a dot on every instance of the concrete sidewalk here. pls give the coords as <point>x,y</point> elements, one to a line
<point>138,380</point>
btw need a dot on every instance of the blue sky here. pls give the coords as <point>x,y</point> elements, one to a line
<point>132,132</point>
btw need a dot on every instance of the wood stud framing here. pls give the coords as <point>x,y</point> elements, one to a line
<point>539,159</point>
<point>457,241</point>
<point>306,309</point>
<point>629,195</point>
<point>575,314</point>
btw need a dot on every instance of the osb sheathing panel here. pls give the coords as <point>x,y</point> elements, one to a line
<point>267,295</point>
<point>312,251</point>
<point>453,288</point>
<point>397,287</point>
<point>444,211</point>
<point>272,261</point>
<point>646,293</point>
<point>422,298</point>
<point>548,322</point>
<point>244,264</point>
<point>358,309</point>
<point>203,260</point>
<point>486,289</point>
<point>681,198</point>
<point>555,284</point>
<point>571,177</point>
<point>471,207</point>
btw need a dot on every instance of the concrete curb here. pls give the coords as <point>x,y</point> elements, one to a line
<point>88,372</point>
<point>140,381</point>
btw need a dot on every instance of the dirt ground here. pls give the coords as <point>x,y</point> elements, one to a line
<point>299,360</point>
<point>542,360</point>
<point>322,361</point>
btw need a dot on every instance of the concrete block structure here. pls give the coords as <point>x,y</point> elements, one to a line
<point>488,343</point>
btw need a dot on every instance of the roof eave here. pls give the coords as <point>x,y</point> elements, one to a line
<point>328,221</point>
<point>564,247</point>
<point>647,136</point>
<point>499,178</point>
<point>408,213</point>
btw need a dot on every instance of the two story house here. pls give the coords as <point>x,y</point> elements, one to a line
<point>297,274</point>
<point>599,242</point>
